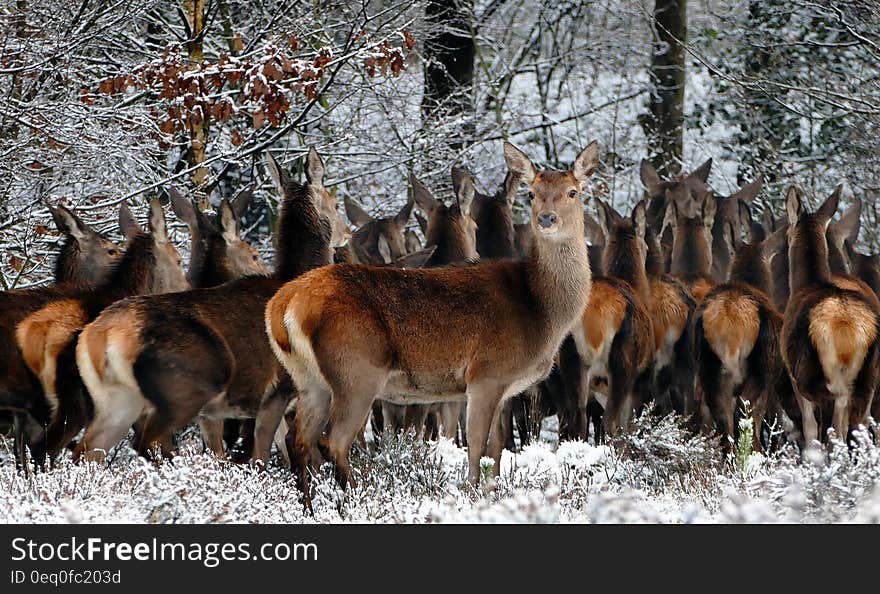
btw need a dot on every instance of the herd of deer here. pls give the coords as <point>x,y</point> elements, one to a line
<point>698,307</point>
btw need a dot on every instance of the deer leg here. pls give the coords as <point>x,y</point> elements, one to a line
<point>212,434</point>
<point>808,418</point>
<point>483,400</point>
<point>414,418</point>
<point>110,423</point>
<point>392,415</point>
<point>266,423</point>
<point>349,407</point>
<point>840,418</point>
<point>500,432</point>
<point>449,414</point>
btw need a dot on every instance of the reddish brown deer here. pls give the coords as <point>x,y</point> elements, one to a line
<point>47,337</point>
<point>736,337</point>
<point>175,356</point>
<point>615,338</point>
<point>85,259</point>
<point>484,332</point>
<point>829,334</point>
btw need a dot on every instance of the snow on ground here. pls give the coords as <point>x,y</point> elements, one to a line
<point>657,473</point>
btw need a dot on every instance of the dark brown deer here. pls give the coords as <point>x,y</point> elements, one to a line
<point>867,269</point>
<point>660,192</point>
<point>691,258</point>
<point>671,307</point>
<point>47,337</point>
<point>219,255</point>
<point>728,210</point>
<point>86,257</point>
<point>483,332</point>
<point>736,337</point>
<point>616,336</point>
<point>172,357</point>
<point>452,233</point>
<point>829,334</point>
<point>378,240</point>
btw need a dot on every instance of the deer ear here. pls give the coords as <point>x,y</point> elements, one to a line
<point>728,234</point>
<point>315,169</point>
<point>384,249</point>
<point>242,201</point>
<point>702,172</point>
<point>744,215</point>
<point>519,164</point>
<point>228,222</point>
<point>773,244</point>
<point>67,222</point>
<point>464,194</point>
<point>511,185</point>
<point>279,176</point>
<point>459,174</point>
<point>422,195</point>
<point>158,227</point>
<point>708,211</point>
<point>640,219</point>
<point>849,225</point>
<point>423,223</point>
<point>593,230</point>
<point>411,241</point>
<point>650,178</point>
<point>416,259</point>
<point>586,163</point>
<point>794,208</point>
<point>749,191</point>
<point>605,217</point>
<point>183,208</point>
<point>127,223</point>
<point>829,207</point>
<point>670,217</point>
<point>767,219</point>
<point>357,215</point>
<point>402,217</point>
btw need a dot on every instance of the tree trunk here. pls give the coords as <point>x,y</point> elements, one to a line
<point>198,128</point>
<point>449,60</point>
<point>664,126</point>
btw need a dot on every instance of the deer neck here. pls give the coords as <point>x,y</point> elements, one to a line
<point>132,275</point>
<point>749,267</point>
<point>867,270</point>
<point>303,237</point>
<point>808,262</point>
<point>623,262</point>
<point>560,280</point>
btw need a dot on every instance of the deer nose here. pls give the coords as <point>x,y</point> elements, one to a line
<point>546,219</point>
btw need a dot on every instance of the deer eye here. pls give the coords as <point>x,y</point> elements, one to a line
<point>572,194</point>
<point>530,195</point>
<point>256,258</point>
<point>112,252</point>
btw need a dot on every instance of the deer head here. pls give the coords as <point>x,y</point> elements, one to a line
<point>86,256</point>
<point>557,215</point>
<point>692,234</point>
